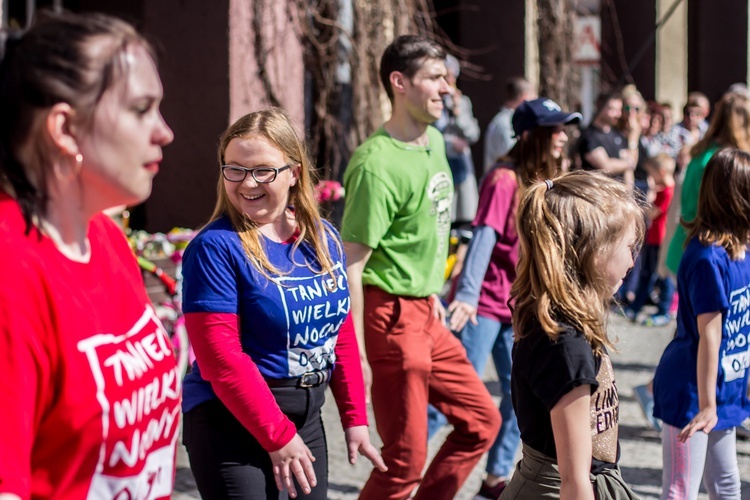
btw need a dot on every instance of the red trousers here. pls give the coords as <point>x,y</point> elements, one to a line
<point>415,360</point>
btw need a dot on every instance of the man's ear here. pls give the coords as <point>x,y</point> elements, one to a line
<point>398,82</point>
<point>60,127</point>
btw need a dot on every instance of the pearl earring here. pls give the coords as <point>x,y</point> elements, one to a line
<point>79,158</point>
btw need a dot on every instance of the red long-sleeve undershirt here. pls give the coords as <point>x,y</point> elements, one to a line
<point>238,383</point>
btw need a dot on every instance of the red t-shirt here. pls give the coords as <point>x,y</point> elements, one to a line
<point>90,392</point>
<point>658,228</point>
<point>497,209</point>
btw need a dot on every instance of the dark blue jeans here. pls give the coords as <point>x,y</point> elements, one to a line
<point>648,278</point>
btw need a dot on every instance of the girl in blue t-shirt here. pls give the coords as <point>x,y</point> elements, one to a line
<point>701,380</point>
<point>578,234</point>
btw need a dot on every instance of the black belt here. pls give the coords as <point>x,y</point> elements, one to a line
<point>309,379</point>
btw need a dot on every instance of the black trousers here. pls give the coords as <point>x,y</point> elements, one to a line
<point>228,462</point>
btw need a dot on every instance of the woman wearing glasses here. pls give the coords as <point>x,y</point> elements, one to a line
<point>631,125</point>
<point>267,310</point>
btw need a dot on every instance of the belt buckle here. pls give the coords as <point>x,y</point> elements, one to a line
<point>309,379</point>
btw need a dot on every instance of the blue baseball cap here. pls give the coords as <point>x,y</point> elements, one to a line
<point>541,112</point>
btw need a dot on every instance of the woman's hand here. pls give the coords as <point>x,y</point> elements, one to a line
<point>358,440</point>
<point>705,421</point>
<point>294,458</point>
<point>460,313</point>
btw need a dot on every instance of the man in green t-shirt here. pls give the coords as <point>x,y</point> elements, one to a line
<point>395,230</point>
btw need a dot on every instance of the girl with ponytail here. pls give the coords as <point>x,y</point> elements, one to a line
<point>480,314</point>
<point>578,234</point>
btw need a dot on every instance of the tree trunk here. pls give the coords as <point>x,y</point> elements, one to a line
<point>343,42</point>
<point>556,70</point>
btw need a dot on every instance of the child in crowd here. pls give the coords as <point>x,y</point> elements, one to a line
<point>480,312</point>
<point>701,380</point>
<point>661,170</point>
<point>578,234</point>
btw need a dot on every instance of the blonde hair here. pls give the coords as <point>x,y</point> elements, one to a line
<point>730,125</point>
<point>723,216</point>
<point>274,125</point>
<point>660,161</point>
<point>565,235</point>
<point>631,92</point>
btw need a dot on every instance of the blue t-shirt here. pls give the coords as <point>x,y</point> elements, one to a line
<point>708,280</point>
<point>288,325</point>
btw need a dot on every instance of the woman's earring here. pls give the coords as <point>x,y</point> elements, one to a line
<point>79,163</point>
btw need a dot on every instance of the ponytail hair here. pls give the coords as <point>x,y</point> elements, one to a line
<point>567,230</point>
<point>62,58</point>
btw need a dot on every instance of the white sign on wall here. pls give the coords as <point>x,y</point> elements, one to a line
<point>587,41</point>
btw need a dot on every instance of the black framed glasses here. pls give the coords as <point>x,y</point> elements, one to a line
<point>262,175</point>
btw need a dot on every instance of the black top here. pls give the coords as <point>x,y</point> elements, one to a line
<point>640,173</point>
<point>593,137</point>
<point>544,371</point>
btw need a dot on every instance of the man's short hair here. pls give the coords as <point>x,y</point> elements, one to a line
<point>515,88</point>
<point>700,100</point>
<point>604,98</point>
<point>406,55</point>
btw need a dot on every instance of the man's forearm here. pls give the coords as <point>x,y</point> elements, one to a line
<point>357,298</point>
<point>617,166</point>
<point>357,256</point>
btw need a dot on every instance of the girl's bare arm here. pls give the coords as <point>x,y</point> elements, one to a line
<point>709,329</point>
<point>572,431</point>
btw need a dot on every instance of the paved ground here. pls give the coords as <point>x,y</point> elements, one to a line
<point>639,352</point>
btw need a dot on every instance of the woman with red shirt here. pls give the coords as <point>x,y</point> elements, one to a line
<point>90,392</point>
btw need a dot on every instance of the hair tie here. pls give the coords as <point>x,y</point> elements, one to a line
<point>549,184</point>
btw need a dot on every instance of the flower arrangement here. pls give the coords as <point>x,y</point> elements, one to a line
<point>328,191</point>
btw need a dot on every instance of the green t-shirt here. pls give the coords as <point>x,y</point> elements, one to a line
<point>688,205</point>
<point>398,202</point>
